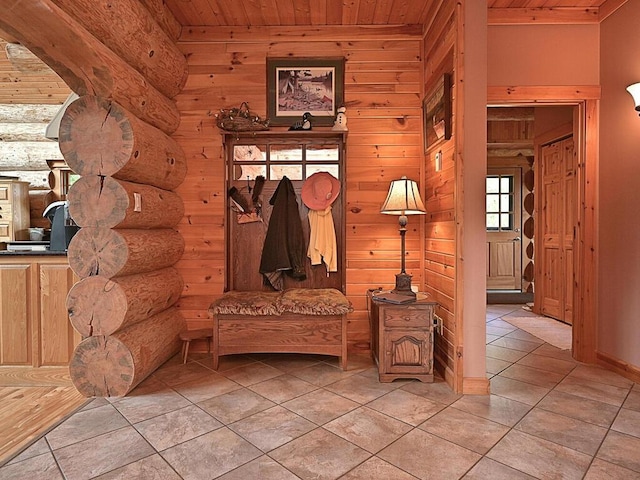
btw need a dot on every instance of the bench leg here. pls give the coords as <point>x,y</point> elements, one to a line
<point>185,351</point>
<point>215,360</point>
<point>343,362</point>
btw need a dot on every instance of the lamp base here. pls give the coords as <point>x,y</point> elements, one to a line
<point>403,285</point>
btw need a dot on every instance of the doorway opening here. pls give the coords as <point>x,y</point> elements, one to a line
<point>530,259</point>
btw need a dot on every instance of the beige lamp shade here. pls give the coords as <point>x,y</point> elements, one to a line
<point>634,90</point>
<point>403,199</point>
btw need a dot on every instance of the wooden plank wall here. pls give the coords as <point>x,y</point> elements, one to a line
<point>383,96</point>
<point>440,195</point>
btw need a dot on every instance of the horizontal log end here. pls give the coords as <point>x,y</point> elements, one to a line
<point>102,367</point>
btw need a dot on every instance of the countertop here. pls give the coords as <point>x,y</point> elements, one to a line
<point>39,253</point>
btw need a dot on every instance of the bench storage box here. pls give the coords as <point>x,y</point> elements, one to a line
<point>298,320</point>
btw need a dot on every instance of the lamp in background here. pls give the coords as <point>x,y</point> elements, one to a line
<point>634,90</point>
<point>403,199</point>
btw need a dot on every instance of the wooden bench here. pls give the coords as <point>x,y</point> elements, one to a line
<point>298,320</point>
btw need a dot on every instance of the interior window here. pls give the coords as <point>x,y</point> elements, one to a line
<point>297,161</point>
<point>500,203</point>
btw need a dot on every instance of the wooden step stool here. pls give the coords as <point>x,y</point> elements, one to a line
<point>187,335</point>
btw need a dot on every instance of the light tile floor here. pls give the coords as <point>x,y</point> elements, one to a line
<point>283,417</point>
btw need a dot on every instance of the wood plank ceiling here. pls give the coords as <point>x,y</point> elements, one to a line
<point>360,12</point>
<point>41,85</point>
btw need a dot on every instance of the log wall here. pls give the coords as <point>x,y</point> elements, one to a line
<point>128,227</point>
<point>383,97</point>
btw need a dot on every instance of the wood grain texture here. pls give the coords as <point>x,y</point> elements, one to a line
<point>112,253</point>
<point>53,36</point>
<point>286,333</point>
<point>441,190</point>
<point>127,28</point>
<point>100,137</point>
<point>29,88</point>
<point>221,13</point>
<point>104,202</point>
<point>34,326</point>
<point>101,306</point>
<point>227,67</point>
<point>163,17</point>
<point>29,409</point>
<point>111,366</point>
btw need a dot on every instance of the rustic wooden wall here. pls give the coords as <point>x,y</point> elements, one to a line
<point>440,191</point>
<point>117,133</point>
<point>383,96</point>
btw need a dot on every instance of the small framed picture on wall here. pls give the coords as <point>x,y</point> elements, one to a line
<point>436,112</point>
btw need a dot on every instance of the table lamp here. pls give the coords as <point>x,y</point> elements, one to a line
<point>403,199</point>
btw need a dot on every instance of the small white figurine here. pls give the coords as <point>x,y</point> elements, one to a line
<point>340,124</point>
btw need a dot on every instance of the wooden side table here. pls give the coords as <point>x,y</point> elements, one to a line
<point>402,338</point>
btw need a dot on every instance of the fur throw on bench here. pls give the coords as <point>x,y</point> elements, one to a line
<point>303,301</point>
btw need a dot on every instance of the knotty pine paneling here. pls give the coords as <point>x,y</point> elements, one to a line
<point>383,97</point>
<point>440,190</point>
<point>310,13</point>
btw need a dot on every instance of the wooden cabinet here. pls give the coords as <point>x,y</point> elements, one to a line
<point>34,325</point>
<point>402,338</point>
<point>14,211</point>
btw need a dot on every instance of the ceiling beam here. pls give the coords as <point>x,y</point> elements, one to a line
<point>543,16</point>
<point>504,114</point>
<point>499,95</point>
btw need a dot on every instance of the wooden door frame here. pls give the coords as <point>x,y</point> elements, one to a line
<point>558,133</point>
<point>585,130</point>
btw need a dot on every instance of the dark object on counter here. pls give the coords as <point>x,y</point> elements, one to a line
<point>62,227</point>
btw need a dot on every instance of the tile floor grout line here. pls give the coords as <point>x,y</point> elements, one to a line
<point>367,405</point>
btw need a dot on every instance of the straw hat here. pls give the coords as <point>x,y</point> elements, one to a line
<point>320,190</point>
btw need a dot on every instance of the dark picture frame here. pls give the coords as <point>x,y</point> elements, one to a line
<point>436,112</point>
<point>299,85</point>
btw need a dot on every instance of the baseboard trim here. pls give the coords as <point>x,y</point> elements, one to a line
<point>476,386</point>
<point>444,371</point>
<point>621,367</point>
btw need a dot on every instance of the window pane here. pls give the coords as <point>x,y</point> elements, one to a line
<point>506,203</point>
<point>492,221</point>
<point>286,152</point>
<point>492,185</point>
<point>244,153</point>
<point>322,153</point>
<point>492,203</point>
<point>506,184</point>
<point>505,221</point>
<point>332,169</point>
<point>292,172</point>
<point>249,172</point>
